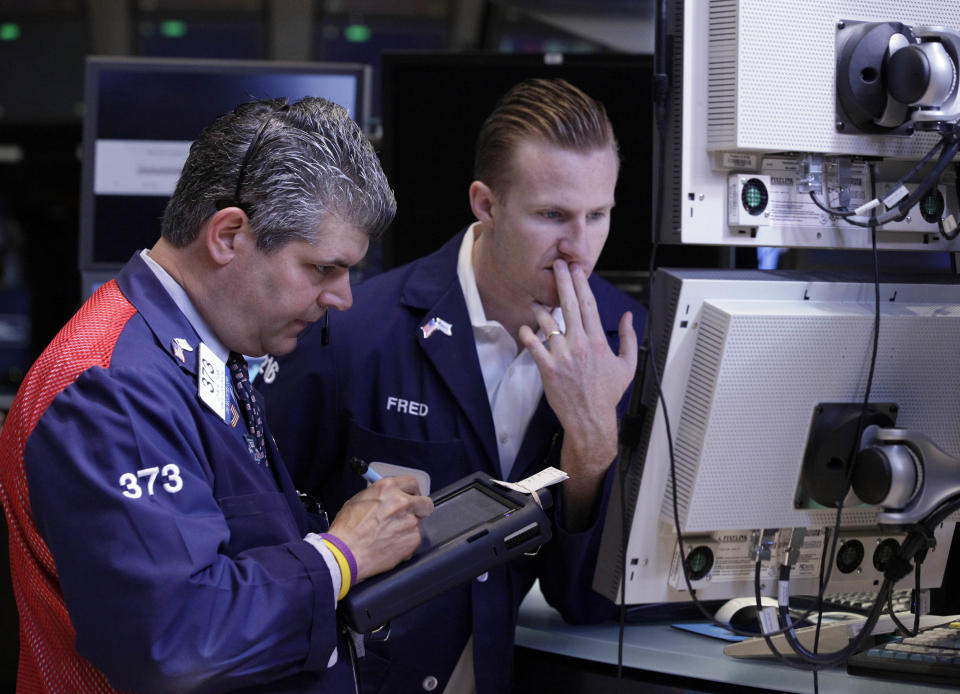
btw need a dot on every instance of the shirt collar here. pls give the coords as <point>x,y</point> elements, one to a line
<point>186,306</point>
<point>468,280</point>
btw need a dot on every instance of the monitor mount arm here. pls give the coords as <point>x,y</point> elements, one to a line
<point>904,473</point>
<point>894,78</point>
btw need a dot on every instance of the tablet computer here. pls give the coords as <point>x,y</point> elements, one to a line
<point>475,526</point>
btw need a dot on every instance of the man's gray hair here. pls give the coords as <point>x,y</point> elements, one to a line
<point>287,166</point>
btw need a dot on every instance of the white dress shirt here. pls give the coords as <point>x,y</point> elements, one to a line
<point>511,378</point>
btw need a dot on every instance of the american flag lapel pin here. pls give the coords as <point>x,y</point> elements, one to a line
<point>178,344</point>
<point>434,324</point>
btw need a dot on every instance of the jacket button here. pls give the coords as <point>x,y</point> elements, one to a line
<point>482,578</point>
<point>430,683</point>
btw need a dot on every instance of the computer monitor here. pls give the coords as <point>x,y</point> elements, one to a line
<point>759,100</point>
<point>754,368</point>
<point>434,104</point>
<point>143,113</point>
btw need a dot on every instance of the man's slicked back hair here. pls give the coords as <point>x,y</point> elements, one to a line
<point>550,111</point>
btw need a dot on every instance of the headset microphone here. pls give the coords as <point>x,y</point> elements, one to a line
<point>325,330</point>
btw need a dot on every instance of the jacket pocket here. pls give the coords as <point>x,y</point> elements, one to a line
<point>443,461</point>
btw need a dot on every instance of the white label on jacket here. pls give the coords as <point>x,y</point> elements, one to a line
<point>417,409</point>
<point>212,381</point>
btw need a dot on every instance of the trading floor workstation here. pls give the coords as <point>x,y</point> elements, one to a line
<point>791,437</point>
<point>793,440</point>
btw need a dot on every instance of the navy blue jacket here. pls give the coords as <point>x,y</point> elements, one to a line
<point>328,403</point>
<point>150,533</point>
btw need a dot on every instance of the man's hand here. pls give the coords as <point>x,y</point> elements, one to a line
<point>583,381</point>
<point>381,524</point>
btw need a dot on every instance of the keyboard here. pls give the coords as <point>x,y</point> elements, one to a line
<point>863,601</point>
<point>835,633</point>
<point>932,656</point>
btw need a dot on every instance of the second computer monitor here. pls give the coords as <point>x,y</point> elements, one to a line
<point>758,371</point>
<point>143,113</point>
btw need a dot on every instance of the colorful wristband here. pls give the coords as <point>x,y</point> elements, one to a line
<point>346,554</point>
<point>344,568</point>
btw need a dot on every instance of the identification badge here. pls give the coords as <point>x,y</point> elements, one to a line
<point>212,381</point>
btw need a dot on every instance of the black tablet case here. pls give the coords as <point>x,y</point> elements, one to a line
<point>475,526</point>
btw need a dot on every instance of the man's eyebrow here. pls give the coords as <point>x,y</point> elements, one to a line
<point>561,206</point>
<point>339,262</point>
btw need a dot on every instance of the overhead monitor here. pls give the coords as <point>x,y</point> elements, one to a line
<point>769,101</point>
<point>434,104</point>
<point>143,113</point>
<point>763,377</point>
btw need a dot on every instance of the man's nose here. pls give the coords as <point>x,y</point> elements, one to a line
<point>573,243</point>
<point>339,295</point>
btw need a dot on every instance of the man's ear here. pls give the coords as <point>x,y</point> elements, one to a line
<point>221,234</point>
<point>482,199</point>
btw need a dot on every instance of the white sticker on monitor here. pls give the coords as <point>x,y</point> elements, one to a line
<point>138,167</point>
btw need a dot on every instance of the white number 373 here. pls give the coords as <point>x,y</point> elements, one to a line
<point>172,482</point>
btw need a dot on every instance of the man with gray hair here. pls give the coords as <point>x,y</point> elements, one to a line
<point>157,541</point>
<point>501,352</point>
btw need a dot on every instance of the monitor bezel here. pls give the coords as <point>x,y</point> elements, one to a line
<point>96,66</point>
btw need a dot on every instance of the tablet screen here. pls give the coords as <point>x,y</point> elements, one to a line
<point>460,512</point>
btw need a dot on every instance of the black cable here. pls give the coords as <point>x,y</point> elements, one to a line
<point>630,430</point>
<point>917,541</point>
<point>836,657</point>
<point>624,462</point>
<point>830,210</point>
<point>901,628</point>
<point>928,183</point>
<point>902,209</point>
<point>916,605</point>
<point>813,656</point>
<point>916,167</point>
<point>661,92</point>
<point>916,598</point>
<point>825,579</point>
<point>956,189</point>
<point>766,637</point>
<point>919,165</point>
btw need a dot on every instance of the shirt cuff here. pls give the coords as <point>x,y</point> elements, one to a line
<point>317,542</point>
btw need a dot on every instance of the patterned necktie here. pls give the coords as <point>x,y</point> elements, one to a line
<point>249,407</point>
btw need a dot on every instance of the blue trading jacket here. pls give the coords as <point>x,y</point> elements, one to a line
<point>179,560</point>
<point>328,403</point>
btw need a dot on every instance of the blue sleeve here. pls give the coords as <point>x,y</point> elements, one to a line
<point>122,490</point>
<point>569,560</point>
<point>567,564</point>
